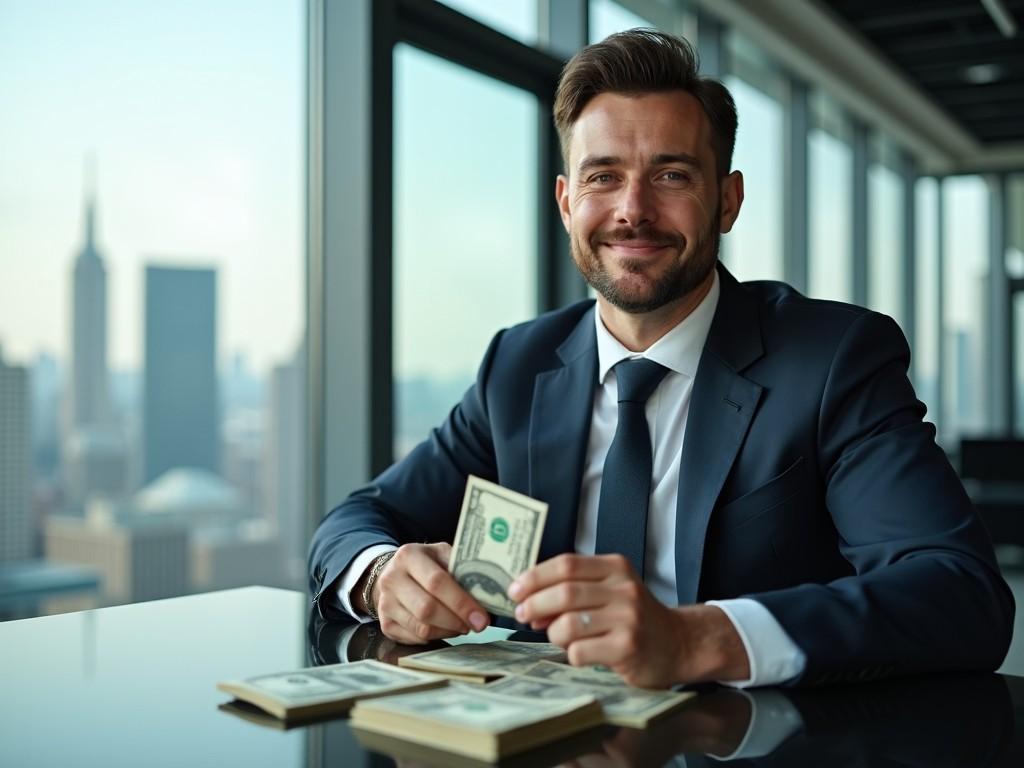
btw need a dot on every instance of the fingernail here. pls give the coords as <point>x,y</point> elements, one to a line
<point>520,612</point>
<point>477,620</point>
<point>514,589</point>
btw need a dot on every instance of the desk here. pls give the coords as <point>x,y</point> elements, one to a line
<point>134,686</point>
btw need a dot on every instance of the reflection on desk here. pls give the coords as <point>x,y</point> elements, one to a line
<point>135,685</point>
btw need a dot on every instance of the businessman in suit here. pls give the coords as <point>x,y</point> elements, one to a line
<point>741,486</point>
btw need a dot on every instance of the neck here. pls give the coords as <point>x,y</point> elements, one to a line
<point>637,332</point>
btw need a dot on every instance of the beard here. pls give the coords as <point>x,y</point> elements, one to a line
<point>683,275</point>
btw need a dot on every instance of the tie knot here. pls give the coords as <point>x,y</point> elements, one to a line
<point>638,378</point>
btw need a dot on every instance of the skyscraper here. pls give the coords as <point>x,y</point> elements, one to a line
<point>286,462</point>
<point>180,424</point>
<point>88,405</point>
<point>16,530</point>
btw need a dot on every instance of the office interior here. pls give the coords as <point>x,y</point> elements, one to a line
<point>328,296</point>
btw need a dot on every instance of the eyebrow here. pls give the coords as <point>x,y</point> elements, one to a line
<point>603,161</point>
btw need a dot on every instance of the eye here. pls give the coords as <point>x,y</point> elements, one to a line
<point>601,178</point>
<point>675,176</point>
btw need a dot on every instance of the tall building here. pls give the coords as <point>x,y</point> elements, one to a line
<point>16,529</point>
<point>88,405</point>
<point>179,408</point>
<point>286,462</point>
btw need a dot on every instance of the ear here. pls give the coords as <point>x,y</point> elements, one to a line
<point>562,200</point>
<point>730,199</point>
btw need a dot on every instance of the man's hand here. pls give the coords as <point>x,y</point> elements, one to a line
<point>418,600</point>
<point>601,613</point>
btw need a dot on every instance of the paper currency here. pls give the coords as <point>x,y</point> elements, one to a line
<point>484,660</point>
<point>471,720</point>
<point>497,539</point>
<point>622,704</point>
<point>319,690</point>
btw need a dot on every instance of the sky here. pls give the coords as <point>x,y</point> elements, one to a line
<point>193,111</point>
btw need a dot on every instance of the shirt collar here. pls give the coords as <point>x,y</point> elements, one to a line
<point>678,350</point>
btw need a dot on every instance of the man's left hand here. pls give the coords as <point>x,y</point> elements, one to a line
<point>597,608</point>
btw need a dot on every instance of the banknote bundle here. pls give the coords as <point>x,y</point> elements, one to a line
<point>315,691</point>
<point>498,538</point>
<point>473,721</point>
<point>481,662</point>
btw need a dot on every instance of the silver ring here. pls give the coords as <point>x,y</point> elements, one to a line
<point>585,619</point>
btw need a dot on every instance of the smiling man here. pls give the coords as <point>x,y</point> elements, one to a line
<point>741,485</point>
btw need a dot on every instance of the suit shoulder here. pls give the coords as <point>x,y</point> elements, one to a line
<point>546,331</point>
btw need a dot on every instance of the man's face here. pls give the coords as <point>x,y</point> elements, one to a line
<point>642,203</point>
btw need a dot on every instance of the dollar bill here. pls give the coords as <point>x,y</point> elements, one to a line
<point>484,660</point>
<point>622,704</point>
<point>497,539</point>
<point>316,690</point>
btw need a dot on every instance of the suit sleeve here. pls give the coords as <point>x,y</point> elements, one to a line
<point>926,593</point>
<point>417,499</point>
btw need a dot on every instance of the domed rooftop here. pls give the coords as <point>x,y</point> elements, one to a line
<point>189,492</point>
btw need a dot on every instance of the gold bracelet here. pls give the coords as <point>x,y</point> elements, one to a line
<point>378,566</point>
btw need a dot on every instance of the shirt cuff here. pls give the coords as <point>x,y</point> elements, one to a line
<point>351,575</point>
<point>774,658</point>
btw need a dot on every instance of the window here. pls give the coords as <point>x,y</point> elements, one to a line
<point>965,222</point>
<point>886,237</point>
<point>465,230</point>
<point>830,197</point>
<point>515,18</point>
<point>753,249</point>
<point>188,128</point>
<point>608,17</point>
<point>925,352</point>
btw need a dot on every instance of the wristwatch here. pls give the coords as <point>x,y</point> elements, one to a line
<point>375,570</point>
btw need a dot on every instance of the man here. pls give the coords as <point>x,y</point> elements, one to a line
<point>740,483</point>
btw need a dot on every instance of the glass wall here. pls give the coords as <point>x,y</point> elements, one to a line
<point>608,17</point>
<point>830,197</point>
<point>1014,262</point>
<point>753,250</point>
<point>965,257</point>
<point>152,181</point>
<point>925,344</point>
<point>886,238</point>
<point>515,18</point>
<point>465,230</point>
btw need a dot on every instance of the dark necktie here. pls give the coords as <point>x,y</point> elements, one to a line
<point>626,480</point>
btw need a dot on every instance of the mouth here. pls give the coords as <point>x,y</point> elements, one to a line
<point>636,247</point>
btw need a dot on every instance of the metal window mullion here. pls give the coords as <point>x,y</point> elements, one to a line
<point>998,316</point>
<point>860,214</point>
<point>908,174</point>
<point>796,198</point>
<point>940,298</point>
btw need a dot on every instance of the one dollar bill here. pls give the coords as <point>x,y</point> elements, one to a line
<point>498,538</point>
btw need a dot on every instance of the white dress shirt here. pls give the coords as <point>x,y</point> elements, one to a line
<point>773,656</point>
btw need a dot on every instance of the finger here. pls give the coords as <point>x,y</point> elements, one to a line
<point>576,625</point>
<point>441,552</point>
<point>593,650</point>
<point>565,596</point>
<point>446,591</point>
<point>400,624</point>
<point>567,567</point>
<point>423,604</point>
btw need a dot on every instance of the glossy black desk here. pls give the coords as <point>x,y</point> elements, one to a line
<point>134,686</point>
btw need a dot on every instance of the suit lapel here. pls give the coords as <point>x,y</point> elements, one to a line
<point>721,408</point>
<point>560,417</point>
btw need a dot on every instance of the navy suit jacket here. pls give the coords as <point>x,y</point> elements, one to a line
<point>808,481</point>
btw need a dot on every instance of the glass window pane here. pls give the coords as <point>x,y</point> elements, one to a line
<point>608,17</point>
<point>926,295</point>
<point>515,18</point>
<point>465,229</point>
<point>830,194</point>
<point>1014,262</point>
<point>753,249</point>
<point>965,217</point>
<point>885,233</point>
<point>170,280</point>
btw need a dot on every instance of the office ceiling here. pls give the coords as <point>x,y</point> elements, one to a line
<point>954,52</point>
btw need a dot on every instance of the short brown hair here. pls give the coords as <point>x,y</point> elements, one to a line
<point>644,61</point>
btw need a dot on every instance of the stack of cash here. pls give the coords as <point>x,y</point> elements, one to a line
<point>316,691</point>
<point>481,662</point>
<point>471,720</point>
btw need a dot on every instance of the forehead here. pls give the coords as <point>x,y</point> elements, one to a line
<point>626,125</point>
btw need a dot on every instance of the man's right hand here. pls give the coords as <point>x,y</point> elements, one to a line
<point>418,600</point>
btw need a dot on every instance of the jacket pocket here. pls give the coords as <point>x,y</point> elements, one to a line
<point>764,498</point>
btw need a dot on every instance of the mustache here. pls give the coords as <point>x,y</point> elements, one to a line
<point>643,233</point>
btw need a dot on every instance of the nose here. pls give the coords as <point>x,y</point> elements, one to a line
<point>636,204</point>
